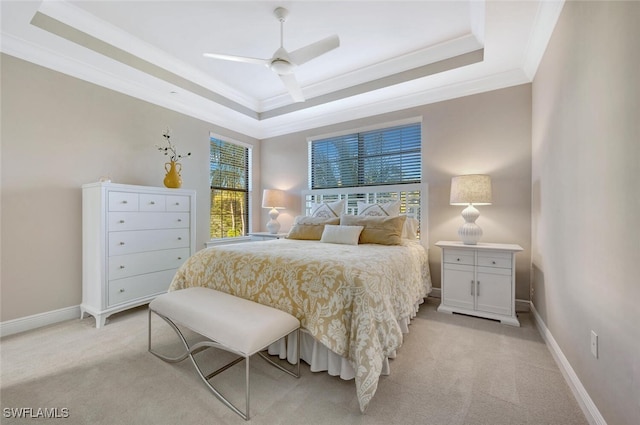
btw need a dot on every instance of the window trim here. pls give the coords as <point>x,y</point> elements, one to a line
<point>234,239</point>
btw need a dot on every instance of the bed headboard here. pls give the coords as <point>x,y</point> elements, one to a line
<point>413,200</point>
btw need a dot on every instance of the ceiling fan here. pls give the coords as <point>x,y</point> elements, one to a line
<point>284,63</point>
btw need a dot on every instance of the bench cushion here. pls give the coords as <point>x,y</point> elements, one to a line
<point>241,325</point>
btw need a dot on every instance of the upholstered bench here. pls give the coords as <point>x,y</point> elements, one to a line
<point>230,323</point>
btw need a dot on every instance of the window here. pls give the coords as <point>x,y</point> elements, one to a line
<point>378,157</point>
<point>230,178</point>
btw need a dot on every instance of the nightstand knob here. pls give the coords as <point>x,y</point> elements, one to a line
<point>121,243</point>
<point>124,202</point>
<point>179,220</point>
<point>122,267</point>
<point>493,262</point>
<point>457,259</point>
<point>121,289</point>
<point>152,202</point>
<point>121,221</point>
<point>179,258</point>
<point>179,238</point>
<point>177,203</point>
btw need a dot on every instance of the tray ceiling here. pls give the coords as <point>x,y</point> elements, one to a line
<point>392,55</point>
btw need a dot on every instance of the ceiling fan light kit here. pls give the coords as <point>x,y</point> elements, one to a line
<point>284,63</point>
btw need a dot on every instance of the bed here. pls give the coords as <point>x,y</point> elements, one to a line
<point>354,301</point>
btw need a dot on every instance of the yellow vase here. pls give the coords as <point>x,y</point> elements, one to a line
<point>173,179</point>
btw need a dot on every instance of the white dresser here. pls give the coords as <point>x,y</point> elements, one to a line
<point>479,280</point>
<point>133,240</point>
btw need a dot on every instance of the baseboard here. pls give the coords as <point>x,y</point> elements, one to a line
<point>435,293</point>
<point>580,393</point>
<point>522,305</point>
<point>28,323</point>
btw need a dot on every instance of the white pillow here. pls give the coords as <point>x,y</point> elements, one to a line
<point>410,228</point>
<point>385,209</point>
<point>327,209</point>
<point>345,235</point>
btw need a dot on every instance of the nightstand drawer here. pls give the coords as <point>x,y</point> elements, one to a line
<point>454,256</point>
<point>495,259</point>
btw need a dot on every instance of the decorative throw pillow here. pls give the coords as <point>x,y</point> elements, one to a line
<point>310,228</point>
<point>385,209</point>
<point>346,235</point>
<point>377,230</point>
<point>327,209</point>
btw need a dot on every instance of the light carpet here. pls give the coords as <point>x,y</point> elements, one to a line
<point>452,370</point>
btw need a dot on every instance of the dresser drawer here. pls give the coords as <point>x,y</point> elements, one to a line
<point>152,202</point>
<point>459,256</point>
<point>121,221</point>
<point>123,201</point>
<point>121,266</point>
<point>495,259</point>
<point>142,286</point>
<point>129,242</point>
<point>178,203</point>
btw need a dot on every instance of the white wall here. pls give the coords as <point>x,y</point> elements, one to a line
<point>585,234</point>
<point>486,133</point>
<point>58,133</point>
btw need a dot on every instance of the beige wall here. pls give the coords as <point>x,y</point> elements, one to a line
<point>486,133</point>
<point>58,133</point>
<point>586,163</point>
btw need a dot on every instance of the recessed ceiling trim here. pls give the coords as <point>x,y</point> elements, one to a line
<point>391,80</point>
<point>443,50</point>
<point>90,42</point>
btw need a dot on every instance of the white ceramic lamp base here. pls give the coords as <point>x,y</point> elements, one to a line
<point>470,233</point>
<point>273,226</point>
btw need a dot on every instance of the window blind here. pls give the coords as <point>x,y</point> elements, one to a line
<point>378,157</point>
<point>230,186</point>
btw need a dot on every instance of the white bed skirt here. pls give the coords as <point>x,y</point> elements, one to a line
<point>321,359</point>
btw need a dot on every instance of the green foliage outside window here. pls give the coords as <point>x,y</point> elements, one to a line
<point>230,186</point>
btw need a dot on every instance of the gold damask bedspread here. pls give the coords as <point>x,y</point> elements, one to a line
<point>349,298</point>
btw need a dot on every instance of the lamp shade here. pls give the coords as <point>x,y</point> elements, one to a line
<point>273,198</point>
<point>471,189</point>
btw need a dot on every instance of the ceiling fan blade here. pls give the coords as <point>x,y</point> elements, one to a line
<point>237,58</point>
<point>305,54</point>
<point>292,86</point>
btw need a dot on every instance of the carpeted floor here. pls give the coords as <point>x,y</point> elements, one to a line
<point>451,369</point>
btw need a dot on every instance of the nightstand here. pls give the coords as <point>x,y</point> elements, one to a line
<point>479,280</point>
<point>265,236</point>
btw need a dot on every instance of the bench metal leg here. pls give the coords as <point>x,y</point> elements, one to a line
<point>295,373</point>
<point>200,346</point>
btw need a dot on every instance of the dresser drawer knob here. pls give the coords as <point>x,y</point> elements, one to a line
<point>121,221</point>
<point>493,262</point>
<point>177,203</point>
<point>121,243</point>
<point>457,259</point>
<point>152,202</point>
<point>179,258</point>
<point>122,267</point>
<point>179,220</point>
<point>179,238</point>
<point>124,202</point>
<point>121,290</point>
